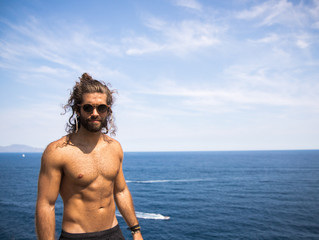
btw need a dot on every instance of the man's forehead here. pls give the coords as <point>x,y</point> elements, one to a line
<point>91,97</point>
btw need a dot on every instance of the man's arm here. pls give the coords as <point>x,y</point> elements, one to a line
<point>124,201</point>
<point>48,191</point>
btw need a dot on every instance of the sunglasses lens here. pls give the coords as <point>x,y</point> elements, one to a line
<point>88,108</point>
<point>102,108</point>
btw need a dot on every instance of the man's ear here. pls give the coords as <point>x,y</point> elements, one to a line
<point>78,112</point>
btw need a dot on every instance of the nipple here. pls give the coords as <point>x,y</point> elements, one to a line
<point>80,176</point>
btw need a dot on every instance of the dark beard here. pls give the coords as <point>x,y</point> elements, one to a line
<point>93,127</point>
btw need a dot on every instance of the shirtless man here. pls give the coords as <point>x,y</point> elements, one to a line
<point>85,167</point>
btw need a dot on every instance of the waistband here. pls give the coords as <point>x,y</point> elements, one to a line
<point>103,233</point>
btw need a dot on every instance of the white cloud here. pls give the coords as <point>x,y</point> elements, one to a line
<point>302,43</point>
<point>193,4</point>
<point>61,50</point>
<point>254,12</point>
<point>231,98</point>
<point>76,49</point>
<point>176,37</point>
<point>314,9</point>
<point>141,45</point>
<point>270,38</point>
<point>240,87</point>
<point>277,12</point>
<point>304,40</point>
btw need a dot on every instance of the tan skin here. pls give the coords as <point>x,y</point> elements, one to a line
<point>88,175</point>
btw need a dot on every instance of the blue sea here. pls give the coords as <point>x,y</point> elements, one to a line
<point>205,195</point>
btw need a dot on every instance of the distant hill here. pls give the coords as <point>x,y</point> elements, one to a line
<point>19,148</point>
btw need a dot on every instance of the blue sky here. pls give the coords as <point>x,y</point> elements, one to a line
<point>190,74</point>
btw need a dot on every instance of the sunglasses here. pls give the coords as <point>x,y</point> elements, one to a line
<point>102,108</point>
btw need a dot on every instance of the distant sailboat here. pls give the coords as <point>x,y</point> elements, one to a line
<point>23,155</point>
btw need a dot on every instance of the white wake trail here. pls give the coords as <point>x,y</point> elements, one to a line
<point>143,215</point>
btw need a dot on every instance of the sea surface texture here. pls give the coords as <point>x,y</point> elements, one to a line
<point>190,195</point>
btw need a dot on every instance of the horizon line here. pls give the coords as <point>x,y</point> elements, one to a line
<point>182,151</point>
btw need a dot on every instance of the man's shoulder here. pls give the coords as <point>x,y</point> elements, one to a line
<point>56,148</point>
<point>113,144</point>
<point>111,141</point>
<point>58,144</point>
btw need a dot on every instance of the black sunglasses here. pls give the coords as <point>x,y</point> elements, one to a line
<point>102,108</point>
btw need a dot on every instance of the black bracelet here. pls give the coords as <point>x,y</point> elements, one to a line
<point>135,229</point>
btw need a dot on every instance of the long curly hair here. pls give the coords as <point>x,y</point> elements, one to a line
<point>89,85</point>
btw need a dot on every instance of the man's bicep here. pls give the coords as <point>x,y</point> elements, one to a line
<point>49,180</point>
<point>120,183</point>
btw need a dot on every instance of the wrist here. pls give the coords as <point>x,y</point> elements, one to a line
<point>136,232</point>
<point>136,229</point>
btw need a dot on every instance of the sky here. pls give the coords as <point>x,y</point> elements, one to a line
<point>191,75</point>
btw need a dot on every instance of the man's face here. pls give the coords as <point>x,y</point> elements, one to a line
<point>93,121</point>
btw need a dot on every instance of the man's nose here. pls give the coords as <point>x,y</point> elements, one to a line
<point>95,112</point>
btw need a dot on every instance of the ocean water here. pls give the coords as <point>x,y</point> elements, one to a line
<point>205,195</point>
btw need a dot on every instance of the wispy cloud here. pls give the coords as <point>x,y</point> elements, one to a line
<point>193,4</point>
<point>269,12</point>
<point>270,38</point>
<point>195,62</point>
<point>270,74</point>
<point>233,99</point>
<point>69,48</point>
<point>176,37</point>
<point>282,12</point>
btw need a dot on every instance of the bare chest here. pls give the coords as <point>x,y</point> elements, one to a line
<point>84,169</point>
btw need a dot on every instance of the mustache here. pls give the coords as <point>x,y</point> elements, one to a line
<point>96,118</point>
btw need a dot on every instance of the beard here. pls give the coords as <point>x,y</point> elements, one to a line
<point>91,126</point>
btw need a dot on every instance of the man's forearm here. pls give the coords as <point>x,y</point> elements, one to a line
<point>45,222</point>
<point>125,205</point>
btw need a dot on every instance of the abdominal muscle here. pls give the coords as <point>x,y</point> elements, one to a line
<point>89,209</point>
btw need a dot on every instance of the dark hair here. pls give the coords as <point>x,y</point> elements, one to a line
<point>89,85</point>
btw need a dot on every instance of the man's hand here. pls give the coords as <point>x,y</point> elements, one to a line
<point>137,236</point>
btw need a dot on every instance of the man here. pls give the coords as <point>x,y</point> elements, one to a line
<point>85,167</point>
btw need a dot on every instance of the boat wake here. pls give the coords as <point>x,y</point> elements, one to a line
<point>143,215</point>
